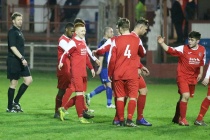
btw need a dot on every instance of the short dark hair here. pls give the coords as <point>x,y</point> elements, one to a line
<point>194,34</point>
<point>16,14</point>
<point>142,20</point>
<point>69,25</point>
<point>123,23</point>
<point>118,21</point>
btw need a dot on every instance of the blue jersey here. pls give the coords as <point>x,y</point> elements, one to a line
<point>105,61</point>
<point>104,73</point>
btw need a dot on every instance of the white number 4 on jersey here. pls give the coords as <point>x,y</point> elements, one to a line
<point>127,51</point>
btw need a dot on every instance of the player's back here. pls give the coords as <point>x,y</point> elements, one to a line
<point>127,58</point>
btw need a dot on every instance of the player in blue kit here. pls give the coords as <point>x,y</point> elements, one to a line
<point>103,73</point>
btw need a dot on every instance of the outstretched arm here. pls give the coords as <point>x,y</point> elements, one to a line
<point>104,48</point>
<point>92,56</point>
<point>160,40</point>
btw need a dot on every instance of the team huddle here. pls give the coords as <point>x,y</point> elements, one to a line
<point>121,79</point>
<point>119,67</point>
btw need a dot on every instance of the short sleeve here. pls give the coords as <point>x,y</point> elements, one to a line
<point>12,38</point>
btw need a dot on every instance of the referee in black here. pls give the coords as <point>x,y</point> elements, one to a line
<point>17,66</point>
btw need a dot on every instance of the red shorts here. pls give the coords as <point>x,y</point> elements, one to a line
<point>185,87</point>
<point>65,69</point>
<point>79,84</point>
<point>63,82</point>
<point>64,76</point>
<point>127,88</point>
<point>142,83</point>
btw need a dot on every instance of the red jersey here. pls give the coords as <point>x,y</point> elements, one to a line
<point>88,50</point>
<point>79,59</point>
<point>125,55</point>
<point>189,61</point>
<point>134,34</point>
<point>64,43</point>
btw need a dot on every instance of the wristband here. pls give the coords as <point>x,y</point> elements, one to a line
<point>22,58</point>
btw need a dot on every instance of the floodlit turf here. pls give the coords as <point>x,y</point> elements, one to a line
<point>37,122</point>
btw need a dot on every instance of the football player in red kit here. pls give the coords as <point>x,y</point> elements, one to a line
<point>189,71</point>
<point>141,29</point>
<point>79,59</point>
<point>64,43</point>
<point>123,70</point>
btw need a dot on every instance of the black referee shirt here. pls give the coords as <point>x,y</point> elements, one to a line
<point>15,38</point>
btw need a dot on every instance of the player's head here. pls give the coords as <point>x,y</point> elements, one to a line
<point>79,20</point>
<point>142,26</point>
<point>17,19</point>
<point>123,25</point>
<point>80,30</point>
<point>69,29</point>
<point>193,38</point>
<point>108,32</point>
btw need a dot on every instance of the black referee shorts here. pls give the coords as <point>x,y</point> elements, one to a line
<point>15,69</point>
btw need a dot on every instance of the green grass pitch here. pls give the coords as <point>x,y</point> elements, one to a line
<point>37,122</point>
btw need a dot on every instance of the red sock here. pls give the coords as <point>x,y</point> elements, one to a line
<point>204,107</point>
<point>131,109</point>
<point>66,96</point>
<point>140,106</point>
<point>120,110</point>
<point>183,109</point>
<point>58,102</point>
<point>79,105</point>
<point>70,103</point>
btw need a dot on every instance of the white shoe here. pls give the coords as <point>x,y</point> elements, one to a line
<point>110,106</point>
<point>90,110</point>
